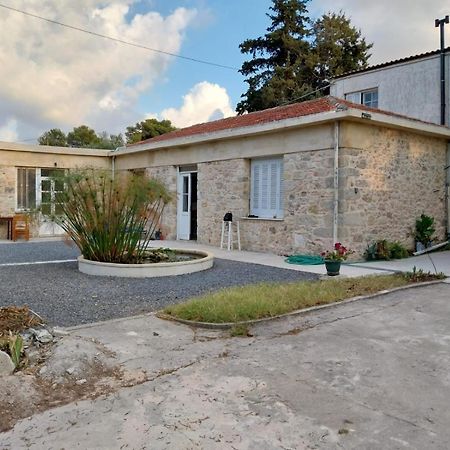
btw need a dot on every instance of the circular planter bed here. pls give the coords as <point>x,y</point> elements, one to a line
<point>202,261</point>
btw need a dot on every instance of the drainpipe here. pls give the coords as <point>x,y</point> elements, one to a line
<point>113,160</point>
<point>440,23</point>
<point>447,192</point>
<point>336,182</point>
<point>113,166</point>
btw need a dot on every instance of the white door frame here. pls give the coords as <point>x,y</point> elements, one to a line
<point>47,227</point>
<point>184,201</point>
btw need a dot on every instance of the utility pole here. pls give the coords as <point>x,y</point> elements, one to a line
<point>441,24</point>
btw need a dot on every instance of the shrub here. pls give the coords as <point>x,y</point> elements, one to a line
<point>385,250</point>
<point>110,219</point>
<point>424,230</point>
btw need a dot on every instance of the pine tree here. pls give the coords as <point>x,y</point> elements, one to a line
<point>279,69</point>
<point>297,58</point>
<point>337,48</point>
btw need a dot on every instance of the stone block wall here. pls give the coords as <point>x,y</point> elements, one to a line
<point>222,186</point>
<point>168,176</point>
<point>385,186</point>
<point>7,195</point>
<point>308,204</point>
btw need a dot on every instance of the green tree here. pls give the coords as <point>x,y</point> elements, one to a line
<point>83,136</point>
<point>297,57</point>
<point>54,137</point>
<point>147,129</point>
<point>279,69</point>
<point>110,141</point>
<point>338,47</point>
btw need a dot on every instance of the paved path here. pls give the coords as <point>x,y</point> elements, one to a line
<point>441,261</point>
<point>372,374</point>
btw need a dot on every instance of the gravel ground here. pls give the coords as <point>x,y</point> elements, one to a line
<point>66,297</point>
<point>20,252</point>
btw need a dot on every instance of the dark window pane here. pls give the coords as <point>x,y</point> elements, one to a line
<point>46,209</point>
<point>58,209</point>
<point>46,185</point>
<point>59,185</point>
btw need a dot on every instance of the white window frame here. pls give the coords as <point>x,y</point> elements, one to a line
<point>359,97</point>
<point>266,188</point>
<point>36,189</point>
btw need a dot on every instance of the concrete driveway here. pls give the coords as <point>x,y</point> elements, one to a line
<point>373,374</point>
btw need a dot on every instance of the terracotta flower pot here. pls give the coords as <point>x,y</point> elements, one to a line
<point>333,267</point>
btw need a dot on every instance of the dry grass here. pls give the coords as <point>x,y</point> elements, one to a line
<point>269,300</point>
<point>16,318</point>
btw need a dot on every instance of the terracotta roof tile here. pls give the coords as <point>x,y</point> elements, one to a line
<point>311,107</point>
<point>315,106</point>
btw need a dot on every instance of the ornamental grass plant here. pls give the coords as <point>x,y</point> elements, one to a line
<point>110,218</point>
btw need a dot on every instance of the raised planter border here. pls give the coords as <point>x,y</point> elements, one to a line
<point>229,325</point>
<point>151,270</point>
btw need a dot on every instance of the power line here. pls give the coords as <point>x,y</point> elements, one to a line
<point>304,95</point>
<point>120,41</point>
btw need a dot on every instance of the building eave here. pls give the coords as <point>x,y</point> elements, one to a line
<point>30,148</point>
<point>353,114</point>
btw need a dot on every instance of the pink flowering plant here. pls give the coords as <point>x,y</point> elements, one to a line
<point>339,253</point>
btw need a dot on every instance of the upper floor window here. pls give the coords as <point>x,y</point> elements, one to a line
<point>367,98</point>
<point>266,193</point>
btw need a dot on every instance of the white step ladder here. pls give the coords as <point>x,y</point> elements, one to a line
<point>227,235</point>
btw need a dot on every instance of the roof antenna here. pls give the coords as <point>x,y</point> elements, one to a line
<point>441,24</point>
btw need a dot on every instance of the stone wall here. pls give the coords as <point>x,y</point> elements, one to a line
<point>7,195</point>
<point>387,184</point>
<point>222,186</point>
<point>308,202</point>
<point>168,176</point>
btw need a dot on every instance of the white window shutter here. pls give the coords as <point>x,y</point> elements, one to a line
<point>256,179</point>
<point>266,188</point>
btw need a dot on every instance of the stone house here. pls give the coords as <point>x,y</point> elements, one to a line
<point>27,182</point>
<point>298,177</point>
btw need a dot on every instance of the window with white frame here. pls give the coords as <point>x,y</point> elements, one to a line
<point>39,188</point>
<point>26,188</point>
<point>266,189</point>
<point>368,98</point>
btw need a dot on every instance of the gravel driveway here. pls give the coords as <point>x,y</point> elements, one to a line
<point>66,297</point>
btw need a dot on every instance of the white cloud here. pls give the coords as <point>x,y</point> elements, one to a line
<point>8,131</point>
<point>204,102</point>
<point>54,76</point>
<point>398,28</point>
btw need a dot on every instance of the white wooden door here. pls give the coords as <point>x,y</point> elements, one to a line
<point>184,206</point>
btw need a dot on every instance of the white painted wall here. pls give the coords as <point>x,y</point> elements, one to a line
<point>410,88</point>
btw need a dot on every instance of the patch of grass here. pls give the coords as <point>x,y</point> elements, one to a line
<point>267,300</point>
<point>240,330</point>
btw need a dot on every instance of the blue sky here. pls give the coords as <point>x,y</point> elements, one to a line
<point>56,77</point>
<point>222,26</point>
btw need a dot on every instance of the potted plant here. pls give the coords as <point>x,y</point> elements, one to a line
<point>424,232</point>
<point>333,258</point>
